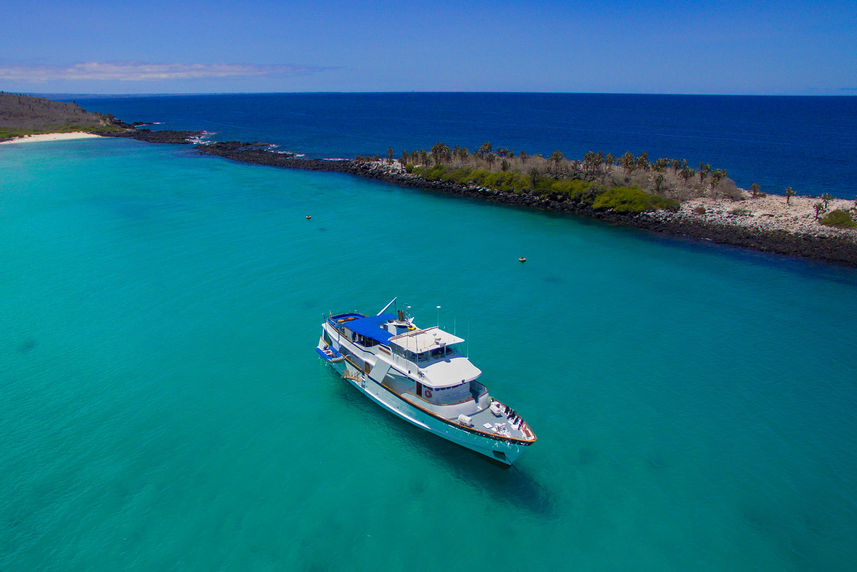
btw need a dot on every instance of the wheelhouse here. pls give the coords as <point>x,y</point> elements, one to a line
<point>436,370</point>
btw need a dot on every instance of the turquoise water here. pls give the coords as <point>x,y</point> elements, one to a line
<point>161,405</point>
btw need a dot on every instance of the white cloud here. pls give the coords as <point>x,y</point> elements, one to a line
<point>121,71</point>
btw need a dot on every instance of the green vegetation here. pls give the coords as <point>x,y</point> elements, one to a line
<point>632,200</point>
<point>501,181</point>
<point>625,183</point>
<point>838,218</point>
<point>585,193</point>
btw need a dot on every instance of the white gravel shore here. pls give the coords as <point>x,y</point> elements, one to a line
<point>768,213</point>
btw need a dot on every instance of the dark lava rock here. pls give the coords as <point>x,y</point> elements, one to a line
<point>165,136</point>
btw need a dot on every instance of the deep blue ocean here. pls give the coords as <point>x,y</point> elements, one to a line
<point>808,143</point>
<point>162,406</point>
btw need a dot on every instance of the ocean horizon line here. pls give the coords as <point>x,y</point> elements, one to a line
<point>846,93</point>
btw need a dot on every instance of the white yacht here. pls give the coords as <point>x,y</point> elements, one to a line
<point>421,376</point>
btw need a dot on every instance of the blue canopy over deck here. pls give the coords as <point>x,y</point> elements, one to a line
<point>371,327</point>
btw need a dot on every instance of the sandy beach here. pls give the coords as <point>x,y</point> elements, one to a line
<point>49,137</point>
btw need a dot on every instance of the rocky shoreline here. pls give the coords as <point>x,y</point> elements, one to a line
<point>764,223</point>
<point>166,137</point>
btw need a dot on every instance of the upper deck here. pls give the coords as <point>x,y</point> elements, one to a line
<point>427,340</point>
<point>398,334</point>
<point>430,352</point>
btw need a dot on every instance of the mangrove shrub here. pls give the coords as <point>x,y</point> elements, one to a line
<point>838,219</point>
<point>632,200</point>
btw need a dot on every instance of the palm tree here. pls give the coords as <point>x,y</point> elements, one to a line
<point>628,161</point>
<point>441,153</point>
<point>754,188</point>
<point>461,153</point>
<point>790,192</point>
<point>717,175</point>
<point>589,161</point>
<point>555,159</point>
<point>534,175</point>
<point>659,180</point>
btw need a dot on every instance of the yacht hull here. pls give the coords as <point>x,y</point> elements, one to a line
<point>500,450</point>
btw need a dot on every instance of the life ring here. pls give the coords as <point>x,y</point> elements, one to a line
<point>427,393</point>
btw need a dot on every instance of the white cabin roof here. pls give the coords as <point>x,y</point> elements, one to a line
<point>449,372</point>
<point>419,341</point>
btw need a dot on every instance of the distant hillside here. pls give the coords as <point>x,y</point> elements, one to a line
<point>24,115</point>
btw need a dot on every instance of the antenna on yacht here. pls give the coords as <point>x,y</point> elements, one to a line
<point>438,317</point>
<point>384,309</point>
<point>468,339</point>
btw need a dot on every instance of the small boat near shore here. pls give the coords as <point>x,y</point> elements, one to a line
<point>421,376</point>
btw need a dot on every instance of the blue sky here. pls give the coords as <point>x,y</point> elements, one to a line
<point>789,47</point>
